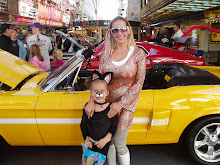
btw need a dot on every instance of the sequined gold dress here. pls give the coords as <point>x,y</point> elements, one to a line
<point>126,85</point>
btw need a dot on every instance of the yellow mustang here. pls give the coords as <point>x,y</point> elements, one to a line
<point>178,102</point>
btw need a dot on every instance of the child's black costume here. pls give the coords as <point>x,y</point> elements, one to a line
<point>98,126</point>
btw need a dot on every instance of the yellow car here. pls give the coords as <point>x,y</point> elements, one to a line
<point>177,103</point>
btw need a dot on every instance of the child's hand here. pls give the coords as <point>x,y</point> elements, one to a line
<point>101,143</point>
<point>88,144</point>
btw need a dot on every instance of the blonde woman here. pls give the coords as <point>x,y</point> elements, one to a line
<point>128,64</point>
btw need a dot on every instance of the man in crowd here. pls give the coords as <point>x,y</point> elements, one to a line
<point>75,37</point>
<point>64,44</point>
<point>163,37</point>
<point>14,47</point>
<point>5,37</point>
<point>177,30</point>
<point>26,35</point>
<point>42,41</point>
<point>22,51</point>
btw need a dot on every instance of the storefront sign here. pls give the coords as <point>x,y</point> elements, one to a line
<point>92,23</point>
<point>13,6</point>
<point>134,23</point>
<point>66,18</point>
<point>215,37</point>
<point>27,10</point>
<point>194,38</point>
<point>4,6</point>
<point>23,20</point>
<point>212,13</point>
<point>44,13</point>
<point>4,17</point>
<point>134,10</point>
<point>59,2</point>
<point>104,22</point>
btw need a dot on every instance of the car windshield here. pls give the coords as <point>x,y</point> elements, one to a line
<point>58,72</point>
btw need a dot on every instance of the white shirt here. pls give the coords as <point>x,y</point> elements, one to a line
<point>63,40</point>
<point>179,33</point>
<point>44,43</point>
<point>122,62</point>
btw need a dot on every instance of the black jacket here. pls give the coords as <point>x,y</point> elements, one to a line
<point>5,43</point>
<point>66,45</point>
<point>14,48</point>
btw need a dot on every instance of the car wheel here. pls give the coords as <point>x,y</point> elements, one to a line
<point>203,141</point>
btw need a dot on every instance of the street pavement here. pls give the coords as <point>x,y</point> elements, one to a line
<point>166,154</point>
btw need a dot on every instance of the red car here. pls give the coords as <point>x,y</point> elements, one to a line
<point>154,54</point>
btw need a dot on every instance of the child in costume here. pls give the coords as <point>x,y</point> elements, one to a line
<point>99,129</point>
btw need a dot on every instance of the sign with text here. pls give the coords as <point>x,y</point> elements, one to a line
<point>27,10</point>
<point>3,6</point>
<point>134,10</point>
<point>13,6</point>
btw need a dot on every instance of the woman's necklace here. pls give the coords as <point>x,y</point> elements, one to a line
<point>101,103</point>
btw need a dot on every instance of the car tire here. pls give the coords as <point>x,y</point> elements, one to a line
<point>203,141</point>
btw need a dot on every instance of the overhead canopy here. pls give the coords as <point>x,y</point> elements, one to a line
<point>177,9</point>
<point>192,5</point>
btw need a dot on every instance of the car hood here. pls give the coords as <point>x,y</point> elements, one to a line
<point>13,69</point>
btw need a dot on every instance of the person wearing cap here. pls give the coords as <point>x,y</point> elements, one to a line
<point>5,37</point>
<point>22,52</point>
<point>42,41</point>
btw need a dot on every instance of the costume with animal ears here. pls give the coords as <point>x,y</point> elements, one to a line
<point>107,77</point>
<point>99,125</point>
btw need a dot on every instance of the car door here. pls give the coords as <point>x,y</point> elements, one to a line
<point>140,124</point>
<point>59,111</point>
<point>59,115</point>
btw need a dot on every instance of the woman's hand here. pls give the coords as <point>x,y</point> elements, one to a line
<point>115,108</point>
<point>90,108</point>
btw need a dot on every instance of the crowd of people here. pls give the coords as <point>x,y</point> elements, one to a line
<point>35,47</point>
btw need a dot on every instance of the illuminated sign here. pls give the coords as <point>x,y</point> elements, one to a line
<point>27,10</point>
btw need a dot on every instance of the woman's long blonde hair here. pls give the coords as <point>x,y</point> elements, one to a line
<point>131,41</point>
<point>35,51</point>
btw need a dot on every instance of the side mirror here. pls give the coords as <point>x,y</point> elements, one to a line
<point>72,91</point>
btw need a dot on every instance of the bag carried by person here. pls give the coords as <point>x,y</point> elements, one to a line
<point>92,158</point>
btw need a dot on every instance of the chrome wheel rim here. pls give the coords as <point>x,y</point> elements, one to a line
<point>207,143</point>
